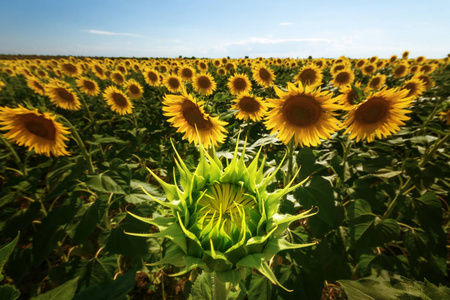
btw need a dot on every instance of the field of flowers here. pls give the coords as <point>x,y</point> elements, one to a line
<point>266,178</point>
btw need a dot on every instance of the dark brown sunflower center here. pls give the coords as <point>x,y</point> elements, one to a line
<point>174,83</point>
<point>89,85</point>
<point>411,87</point>
<point>134,89</point>
<point>302,110</point>
<point>369,69</point>
<point>342,78</point>
<point>187,73</point>
<point>400,70</point>
<point>204,82</point>
<point>64,95</point>
<point>152,76</point>
<point>38,85</point>
<point>239,84</point>
<point>70,68</point>
<point>360,63</point>
<point>229,66</point>
<point>373,110</point>
<point>249,104</point>
<point>264,74</point>
<point>194,116</point>
<point>121,69</point>
<point>352,97</point>
<point>119,99</point>
<point>118,77</point>
<point>99,70</point>
<point>40,126</point>
<point>308,76</point>
<point>339,68</point>
<point>203,66</point>
<point>375,82</point>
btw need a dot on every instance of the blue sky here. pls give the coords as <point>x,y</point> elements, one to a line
<point>225,28</point>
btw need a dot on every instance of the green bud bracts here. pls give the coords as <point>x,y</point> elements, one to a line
<point>223,219</point>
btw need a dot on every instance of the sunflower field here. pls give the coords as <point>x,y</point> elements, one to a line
<point>262,178</point>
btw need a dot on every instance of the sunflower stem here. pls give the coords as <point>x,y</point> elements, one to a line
<point>14,153</point>
<point>80,143</point>
<point>290,156</point>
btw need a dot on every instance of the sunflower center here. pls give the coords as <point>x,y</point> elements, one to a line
<point>352,97</point>
<point>411,87</point>
<point>64,94</point>
<point>249,104</point>
<point>339,68</point>
<point>38,85</point>
<point>308,76</point>
<point>223,205</point>
<point>375,82</point>
<point>70,68</point>
<point>373,110</point>
<point>174,83</point>
<point>89,85</point>
<point>194,116</point>
<point>99,70</point>
<point>342,77</point>
<point>369,69</point>
<point>134,89</point>
<point>240,84</point>
<point>39,126</point>
<point>186,73</point>
<point>204,82</point>
<point>400,70</point>
<point>118,77</point>
<point>264,74</point>
<point>302,110</point>
<point>119,99</point>
<point>152,76</point>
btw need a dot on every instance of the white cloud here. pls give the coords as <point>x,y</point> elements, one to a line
<point>286,23</point>
<point>259,40</point>
<point>101,32</point>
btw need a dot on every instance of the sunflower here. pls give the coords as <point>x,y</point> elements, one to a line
<point>189,117</point>
<point>88,86</point>
<point>36,131</point>
<point>405,55</point>
<point>400,71</point>
<point>221,71</point>
<point>343,78</point>
<point>217,63</point>
<point>117,100</point>
<point>187,73</point>
<point>427,69</point>
<point>414,69</point>
<point>99,71</point>
<point>122,69</point>
<point>70,69</point>
<point>349,95</point>
<point>202,66</point>
<point>360,63</point>
<point>303,114</point>
<point>134,89</point>
<point>239,83</point>
<point>376,82</point>
<point>173,83</point>
<point>117,77</point>
<point>62,96</point>
<point>382,114</point>
<point>263,76</point>
<point>250,107</point>
<point>338,67</point>
<point>426,80</point>
<point>310,75</point>
<point>151,77</point>
<point>393,59</point>
<point>204,83</point>
<point>373,59</point>
<point>230,66</point>
<point>420,59</point>
<point>2,84</point>
<point>415,87</point>
<point>369,69</point>
<point>34,84</point>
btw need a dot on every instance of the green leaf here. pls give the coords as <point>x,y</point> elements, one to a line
<point>9,292</point>
<point>91,218</point>
<point>306,160</point>
<point>260,288</point>
<point>359,208</point>
<point>105,184</point>
<point>384,285</point>
<point>201,290</point>
<point>111,289</point>
<point>5,252</point>
<point>65,291</point>
<point>96,270</point>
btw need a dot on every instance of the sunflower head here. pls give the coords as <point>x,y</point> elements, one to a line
<point>222,219</point>
<point>134,89</point>
<point>400,71</point>
<point>376,82</point>
<point>250,107</point>
<point>239,83</point>
<point>88,86</point>
<point>37,86</point>
<point>382,114</point>
<point>187,73</point>
<point>117,100</point>
<point>117,77</point>
<point>36,131</point>
<point>151,77</point>
<point>61,95</point>
<point>173,83</point>
<point>71,69</point>
<point>343,78</point>
<point>204,83</point>
<point>263,75</point>
<point>310,75</point>
<point>189,116</point>
<point>302,114</point>
<point>415,87</point>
